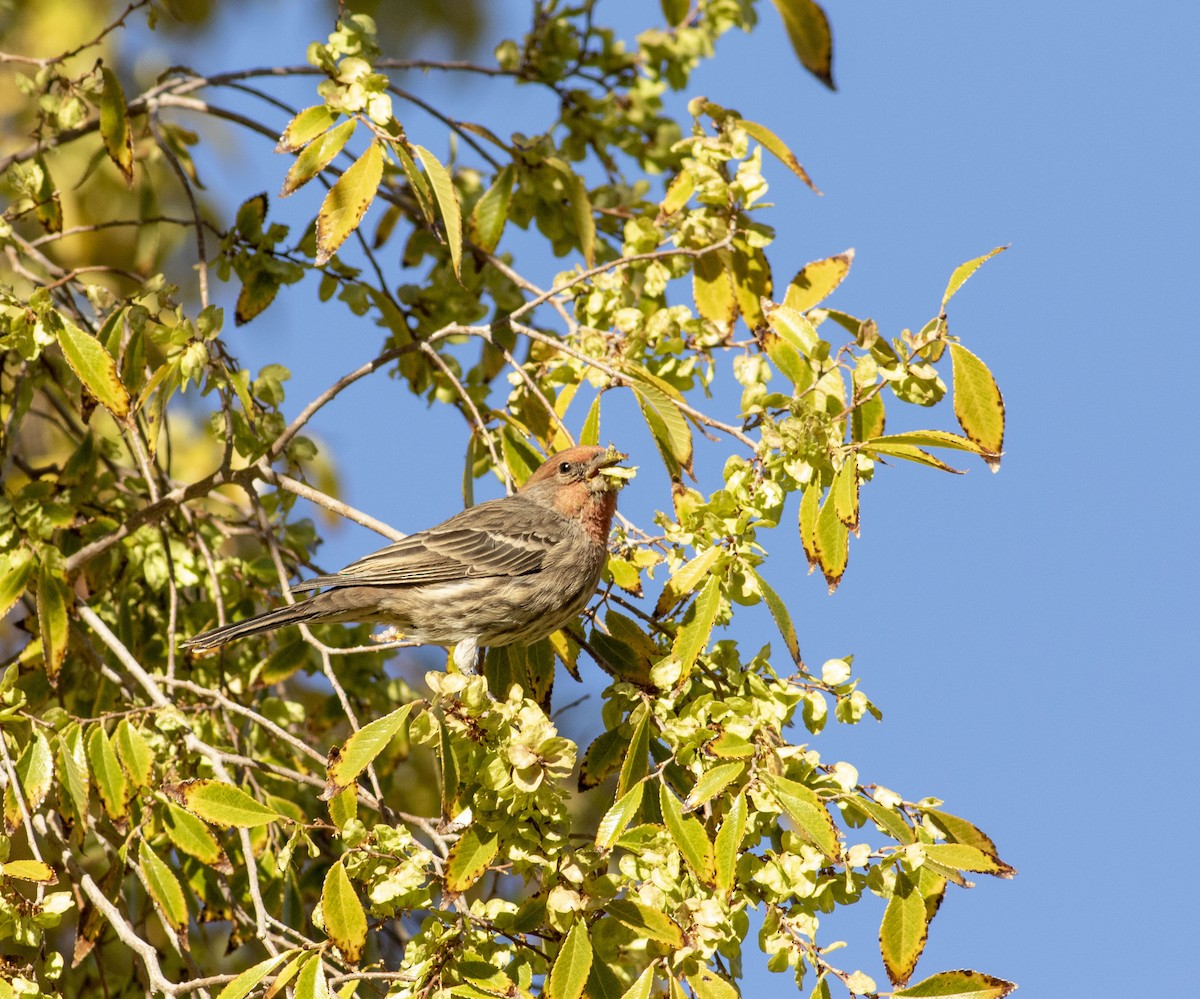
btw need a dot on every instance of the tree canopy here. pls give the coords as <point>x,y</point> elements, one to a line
<point>294,812</point>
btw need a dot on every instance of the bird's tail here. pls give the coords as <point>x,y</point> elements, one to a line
<point>296,613</point>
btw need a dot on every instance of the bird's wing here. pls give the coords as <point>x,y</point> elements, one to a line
<point>508,537</point>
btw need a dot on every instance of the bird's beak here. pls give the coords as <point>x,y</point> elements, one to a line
<point>605,465</point>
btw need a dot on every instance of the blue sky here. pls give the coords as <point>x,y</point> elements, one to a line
<point>1024,633</point>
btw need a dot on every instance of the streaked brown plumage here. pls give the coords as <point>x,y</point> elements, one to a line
<point>509,570</point>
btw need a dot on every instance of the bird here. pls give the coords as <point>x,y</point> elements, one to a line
<point>510,570</point>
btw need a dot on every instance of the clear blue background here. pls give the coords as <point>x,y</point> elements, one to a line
<point>1027,635</point>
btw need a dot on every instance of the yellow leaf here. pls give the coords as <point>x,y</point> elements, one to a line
<point>93,365</point>
<point>978,403</point>
<point>316,157</point>
<point>114,124</point>
<point>712,288</point>
<point>345,920</point>
<point>469,858</point>
<point>347,202</point>
<point>832,542</point>
<point>817,280</point>
<point>808,28</point>
<point>305,127</point>
<point>964,271</point>
<point>447,202</point>
<point>777,147</point>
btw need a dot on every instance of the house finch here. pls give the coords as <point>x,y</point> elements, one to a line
<point>509,570</point>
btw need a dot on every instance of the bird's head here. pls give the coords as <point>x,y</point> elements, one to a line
<point>591,467</point>
<point>577,477</point>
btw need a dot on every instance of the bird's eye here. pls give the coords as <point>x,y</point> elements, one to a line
<point>564,467</point>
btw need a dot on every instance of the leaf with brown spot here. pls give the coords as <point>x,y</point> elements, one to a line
<point>469,857</point>
<point>114,124</point>
<point>817,280</point>
<point>305,127</point>
<point>778,148</point>
<point>903,931</point>
<point>978,403</point>
<point>347,202</point>
<point>812,40</point>
<point>316,156</point>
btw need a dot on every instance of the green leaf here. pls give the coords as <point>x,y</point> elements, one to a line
<point>93,365</point>
<point>808,28</point>
<point>491,210</point>
<point>571,966</point>
<point>345,920</point>
<point>964,271</point>
<point>590,434</point>
<point>164,888</point>
<point>188,834</point>
<point>15,569</point>
<point>671,431</point>
<point>448,762</point>
<point>469,858</point>
<point>110,778</point>
<point>780,614</point>
<point>685,579</point>
<point>245,983</point>
<point>688,834</point>
<point>615,820</point>
<point>844,493</point>
<point>30,870</point>
<point>962,857</point>
<point>114,124</point>
<point>728,845</point>
<point>311,982</point>
<point>652,923</point>
<point>316,157</point>
<point>305,127</point>
<point>903,932</point>
<point>812,819</point>
<point>712,290</point>
<point>74,777</point>
<point>221,804</point>
<point>135,753</point>
<point>603,983</point>
<point>635,766</point>
<point>958,985</point>
<point>817,280</point>
<point>581,208</point>
<point>713,782</point>
<point>418,183</point>
<point>692,636</point>
<point>978,403</point>
<point>343,807</point>
<point>48,200</point>
<point>347,201</point>
<point>447,202</point>
<point>777,147</point>
<point>52,602</point>
<point>602,758</point>
<point>707,984</point>
<point>869,419</point>
<point>345,764</point>
<point>832,541</point>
